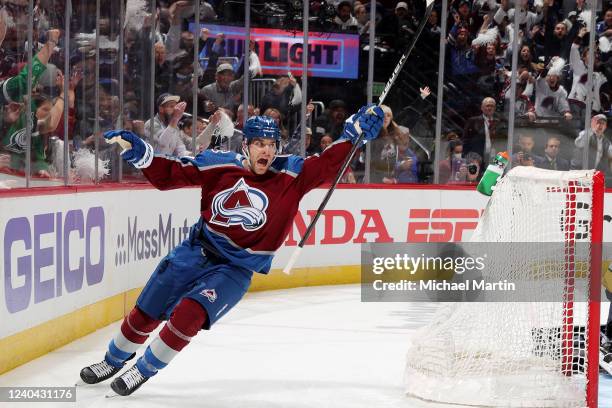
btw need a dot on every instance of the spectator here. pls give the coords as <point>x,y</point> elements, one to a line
<point>526,19</point>
<point>384,150</point>
<point>15,87</point>
<point>45,113</point>
<point>240,115</point>
<point>450,166</point>
<point>166,136</point>
<point>163,70</point>
<point>326,141</point>
<point>398,28</point>
<point>468,170</point>
<point>186,126</point>
<point>363,19</point>
<point>348,177</point>
<point>331,122</point>
<point>284,96</point>
<point>343,19</point>
<point>481,132</point>
<point>180,81</point>
<point>225,92</point>
<point>599,147</point>
<point>278,118</point>
<point>224,134</point>
<point>523,107</point>
<point>210,53</point>
<point>578,94</point>
<point>463,17</point>
<point>295,146</point>
<point>460,57</point>
<point>75,78</point>
<point>526,61</point>
<point>431,32</point>
<point>551,96</point>
<point>255,68</point>
<point>406,166</point>
<point>551,159</point>
<point>46,116</point>
<point>486,58</point>
<point>524,152</point>
<point>604,28</point>
<point>558,41</point>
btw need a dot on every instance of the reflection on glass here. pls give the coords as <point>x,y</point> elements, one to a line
<point>550,104</point>
<point>552,91</point>
<point>46,101</point>
<point>221,79</point>
<point>403,153</point>
<point>137,48</point>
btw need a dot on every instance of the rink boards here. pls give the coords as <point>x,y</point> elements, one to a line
<point>74,260</point>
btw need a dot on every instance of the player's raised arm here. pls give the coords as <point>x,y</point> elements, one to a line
<point>167,172</point>
<point>321,169</point>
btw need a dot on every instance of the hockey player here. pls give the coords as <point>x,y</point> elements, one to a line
<point>247,209</point>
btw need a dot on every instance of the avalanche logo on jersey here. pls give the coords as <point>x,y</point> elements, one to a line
<point>240,205</point>
<point>210,294</point>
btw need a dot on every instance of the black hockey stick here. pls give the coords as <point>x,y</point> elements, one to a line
<point>383,95</point>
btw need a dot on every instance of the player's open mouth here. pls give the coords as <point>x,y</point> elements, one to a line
<point>263,162</point>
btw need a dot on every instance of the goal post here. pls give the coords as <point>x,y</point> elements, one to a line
<point>537,353</point>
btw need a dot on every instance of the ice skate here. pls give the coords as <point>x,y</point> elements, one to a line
<point>101,371</point>
<point>129,381</point>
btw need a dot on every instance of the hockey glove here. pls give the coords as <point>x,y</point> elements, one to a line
<point>368,120</point>
<point>136,151</point>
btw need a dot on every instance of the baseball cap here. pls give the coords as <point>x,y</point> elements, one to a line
<point>166,97</point>
<point>402,4</point>
<point>599,117</point>
<point>224,67</point>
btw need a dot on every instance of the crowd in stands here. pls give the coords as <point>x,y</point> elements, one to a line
<point>550,103</point>
<point>552,88</point>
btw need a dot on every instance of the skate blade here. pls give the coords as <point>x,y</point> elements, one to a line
<point>81,383</point>
<point>111,394</point>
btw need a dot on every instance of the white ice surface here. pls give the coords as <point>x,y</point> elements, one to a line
<point>300,348</point>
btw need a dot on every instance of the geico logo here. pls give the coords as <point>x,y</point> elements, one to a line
<point>440,225</point>
<point>71,243</point>
<point>341,227</point>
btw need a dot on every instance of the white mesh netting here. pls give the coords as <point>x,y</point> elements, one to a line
<point>517,354</point>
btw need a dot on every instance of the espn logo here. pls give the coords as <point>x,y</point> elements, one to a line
<point>441,225</point>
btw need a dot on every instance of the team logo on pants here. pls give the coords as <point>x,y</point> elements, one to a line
<point>240,205</point>
<point>210,294</point>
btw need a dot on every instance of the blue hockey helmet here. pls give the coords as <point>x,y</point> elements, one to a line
<point>261,127</point>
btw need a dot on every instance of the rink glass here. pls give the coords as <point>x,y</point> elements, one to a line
<point>108,98</point>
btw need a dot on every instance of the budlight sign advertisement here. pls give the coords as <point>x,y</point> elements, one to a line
<point>330,55</point>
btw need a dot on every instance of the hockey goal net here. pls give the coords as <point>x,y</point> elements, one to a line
<point>528,353</point>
